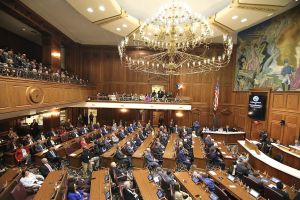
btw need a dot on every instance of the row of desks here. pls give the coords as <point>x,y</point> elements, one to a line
<point>98,184</point>
<point>291,157</point>
<point>169,157</point>
<point>8,181</point>
<point>227,137</point>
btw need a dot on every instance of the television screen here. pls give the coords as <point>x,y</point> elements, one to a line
<point>257,107</point>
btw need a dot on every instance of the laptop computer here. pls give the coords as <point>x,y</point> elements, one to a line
<point>231,178</point>
<point>195,180</point>
<point>254,193</point>
<point>150,177</point>
<point>107,195</point>
<point>213,196</point>
<point>160,193</point>
<point>275,180</point>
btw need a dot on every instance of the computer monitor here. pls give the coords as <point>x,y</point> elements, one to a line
<point>150,177</point>
<point>195,179</point>
<point>254,193</point>
<point>264,180</point>
<point>213,196</point>
<point>275,180</point>
<point>230,177</point>
<point>160,193</point>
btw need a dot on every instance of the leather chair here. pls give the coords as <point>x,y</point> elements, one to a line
<point>221,194</point>
<point>269,193</point>
<point>20,193</point>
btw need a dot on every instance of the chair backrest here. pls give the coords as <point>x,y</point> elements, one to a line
<point>269,193</point>
<point>253,184</point>
<point>19,192</point>
<point>69,150</point>
<point>221,194</point>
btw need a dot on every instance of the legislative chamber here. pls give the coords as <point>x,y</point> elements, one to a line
<point>149,100</point>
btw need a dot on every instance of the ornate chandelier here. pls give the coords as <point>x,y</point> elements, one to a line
<point>170,39</point>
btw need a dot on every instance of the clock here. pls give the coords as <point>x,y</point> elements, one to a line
<point>35,95</point>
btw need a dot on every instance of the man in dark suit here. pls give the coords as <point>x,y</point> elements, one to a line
<point>53,157</point>
<point>128,193</point>
<point>151,161</point>
<point>184,159</point>
<point>128,149</point>
<point>34,127</point>
<point>45,168</point>
<point>279,189</point>
<point>39,147</point>
<point>121,157</point>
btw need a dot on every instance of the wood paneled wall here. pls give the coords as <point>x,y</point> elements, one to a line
<point>14,94</point>
<point>101,64</point>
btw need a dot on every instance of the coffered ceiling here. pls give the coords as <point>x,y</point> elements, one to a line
<point>105,22</point>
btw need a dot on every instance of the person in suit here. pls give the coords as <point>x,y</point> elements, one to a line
<point>128,193</point>
<point>22,154</point>
<point>183,158</point>
<point>121,134</point>
<point>128,149</point>
<point>137,141</point>
<point>39,147</point>
<point>180,195</point>
<point>53,157</point>
<point>176,129</point>
<point>91,117</point>
<point>85,161</point>
<point>130,128</point>
<point>74,194</point>
<point>104,130</point>
<point>279,189</point>
<point>34,127</point>
<point>215,157</point>
<point>45,168</point>
<point>50,142</point>
<point>121,157</point>
<point>114,138</point>
<point>28,140</point>
<point>150,160</point>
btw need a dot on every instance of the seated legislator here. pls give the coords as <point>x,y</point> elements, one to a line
<point>121,134</point>
<point>128,192</point>
<point>183,158</point>
<point>128,149</point>
<point>88,161</point>
<point>205,179</point>
<point>279,189</point>
<point>119,173</point>
<point>121,158</point>
<point>107,142</point>
<point>180,195</point>
<point>150,160</point>
<point>137,141</point>
<point>39,147</point>
<point>74,194</point>
<point>31,181</point>
<point>22,154</point>
<point>114,138</point>
<point>50,142</point>
<point>216,158</point>
<point>28,140</point>
<point>104,130</point>
<point>45,168</point>
<point>53,157</point>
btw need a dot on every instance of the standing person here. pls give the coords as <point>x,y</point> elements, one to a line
<point>91,116</point>
<point>34,127</point>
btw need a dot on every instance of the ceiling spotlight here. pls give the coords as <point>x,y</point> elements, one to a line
<point>124,25</point>
<point>234,17</point>
<point>90,10</point>
<point>101,8</point>
<point>118,29</point>
<point>244,20</point>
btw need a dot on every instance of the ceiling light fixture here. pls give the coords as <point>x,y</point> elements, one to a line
<point>118,29</point>
<point>90,10</point>
<point>244,20</point>
<point>124,25</point>
<point>102,8</point>
<point>234,17</point>
<point>175,33</point>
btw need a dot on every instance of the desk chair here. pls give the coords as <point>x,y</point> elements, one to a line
<point>278,157</point>
<point>221,194</point>
<point>20,193</point>
<point>253,184</point>
<point>269,193</point>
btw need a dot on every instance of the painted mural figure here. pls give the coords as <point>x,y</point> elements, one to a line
<point>286,73</point>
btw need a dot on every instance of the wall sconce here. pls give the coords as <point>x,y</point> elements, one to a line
<point>179,114</point>
<point>55,54</point>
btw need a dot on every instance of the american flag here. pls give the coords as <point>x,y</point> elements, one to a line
<point>217,93</point>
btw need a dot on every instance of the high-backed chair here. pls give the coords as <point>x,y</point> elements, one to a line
<point>269,193</point>
<point>20,193</point>
<point>253,184</point>
<point>221,194</point>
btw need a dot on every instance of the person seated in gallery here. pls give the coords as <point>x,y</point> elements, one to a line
<point>31,181</point>
<point>42,136</point>
<point>150,160</point>
<point>52,156</point>
<point>205,179</point>
<point>50,142</point>
<point>100,145</point>
<point>68,125</point>
<point>128,149</point>
<point>183,158</point>
<point>157,152</point>
<point>166,175</point>
<point>279,189</point>
<point>39,147</point>
<point>22,154</point>
<point>121,158</point>
<point>121,134</point>
<point>45,168</point>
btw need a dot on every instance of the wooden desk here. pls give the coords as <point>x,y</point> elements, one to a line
<point>290,157</point>
<point>54,186</point>
<point>262,162</point>
<point>40,155</point>
<point>227,155</point>
<point>227,137</point>
<point>234,188</point>
<point>10,177</point>
<point>107,157</point>
<point>199,153</point>
<point>137,157</point>
<point>75,157</point>
<point>147,189</point>
<point>192,189</point>
<point>97,191</point>
<point>169,160</point>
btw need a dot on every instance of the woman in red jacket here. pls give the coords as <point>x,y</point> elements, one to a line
<point>22,154</point>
